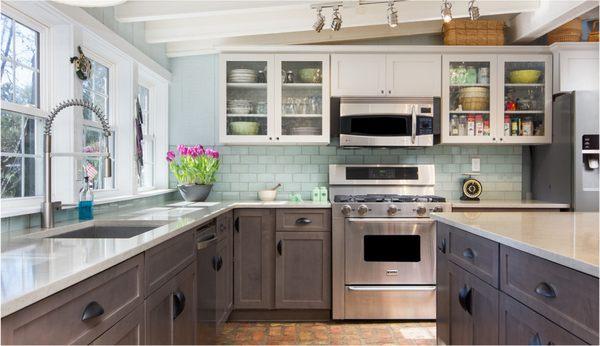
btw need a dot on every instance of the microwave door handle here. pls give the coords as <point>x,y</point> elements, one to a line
<point>414,124</point>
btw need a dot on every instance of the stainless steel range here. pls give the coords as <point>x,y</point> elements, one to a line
<point>383,241</point>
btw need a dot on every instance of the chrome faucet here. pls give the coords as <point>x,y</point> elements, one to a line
<point>48,206</point>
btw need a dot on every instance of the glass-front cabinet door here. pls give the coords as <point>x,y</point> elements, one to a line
<point>246,100</point>
<point>525,92</point>
<point>469,99</point>
<point>302,100</point>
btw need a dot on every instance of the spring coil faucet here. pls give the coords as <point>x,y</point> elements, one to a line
<point>48,206</point>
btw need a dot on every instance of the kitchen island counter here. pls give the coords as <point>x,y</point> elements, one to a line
<point>566,238</point>
<point>35,267</point>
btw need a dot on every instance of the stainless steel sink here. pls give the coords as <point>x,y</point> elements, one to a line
<point>125,230</point>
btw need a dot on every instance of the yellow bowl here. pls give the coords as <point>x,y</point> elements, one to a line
<point>524,76</point>
<point>244,128</point>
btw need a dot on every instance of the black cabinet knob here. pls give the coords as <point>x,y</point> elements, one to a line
<point>92,310</point>
<point>178,303</point>
<point>280,247</point>
<point>442,246</point>
<point>469,253</point>
<point>236,224</point>
<point>464,298</point>
<point>303,221</point>
<point>546,290</point>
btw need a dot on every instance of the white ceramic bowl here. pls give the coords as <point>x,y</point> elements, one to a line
<point>267,195</point>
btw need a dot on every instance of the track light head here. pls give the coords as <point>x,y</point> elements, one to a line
<point>446,11</point>
<point>473,10</point>
<point>392,16</point>
<point>336,22</point>
<point>319,22</point>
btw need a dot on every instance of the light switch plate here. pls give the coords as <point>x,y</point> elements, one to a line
<point>475,164</point>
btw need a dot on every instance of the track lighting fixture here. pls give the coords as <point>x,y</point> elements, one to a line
<point>392,16</point>
<point>473,10</point>
<point>320,22</point>
<point>446,11</point>
<point>336,22</point>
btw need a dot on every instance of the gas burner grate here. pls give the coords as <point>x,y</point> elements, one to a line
<point>378,198</point>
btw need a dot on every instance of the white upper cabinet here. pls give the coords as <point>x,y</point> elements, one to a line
<point>274,98</point>
<point>414,75</point>
<point>358,74</point>
<point>575,66</point>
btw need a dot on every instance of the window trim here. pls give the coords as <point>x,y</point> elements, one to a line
<point>150,129</point>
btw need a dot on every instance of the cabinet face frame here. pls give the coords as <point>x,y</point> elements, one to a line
<point>446,60</point>
<point>235,139</point>
<point>547,137</point>
<point>278,113</point>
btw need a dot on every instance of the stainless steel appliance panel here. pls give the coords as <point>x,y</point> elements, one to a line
<point>389,302</point>
<point>383,251</point>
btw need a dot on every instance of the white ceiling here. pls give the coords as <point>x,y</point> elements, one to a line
<point>196,26</point>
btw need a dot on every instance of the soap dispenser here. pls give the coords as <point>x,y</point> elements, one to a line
<point>86,201</point>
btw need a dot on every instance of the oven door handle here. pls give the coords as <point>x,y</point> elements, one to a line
<point>384,220</point>
<point>413,134</point>
<point>391,288</point>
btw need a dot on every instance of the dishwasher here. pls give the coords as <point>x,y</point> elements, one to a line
<point>208,264</point>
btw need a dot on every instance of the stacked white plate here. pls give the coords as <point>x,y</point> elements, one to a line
<point>239,106</point>
<point>242,75</point>
<point>306,131</point>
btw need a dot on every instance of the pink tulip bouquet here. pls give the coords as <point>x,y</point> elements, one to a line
<point>194,165</point>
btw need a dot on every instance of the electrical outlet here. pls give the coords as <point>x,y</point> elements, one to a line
<point>475,164</point>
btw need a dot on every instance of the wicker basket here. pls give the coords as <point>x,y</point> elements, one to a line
<point>466,32</point>
<point>474,98</point>
<point>569,32</point>
<point>593,37</point>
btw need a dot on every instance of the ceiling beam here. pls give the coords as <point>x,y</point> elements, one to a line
<point>280,20</point>
<point>175,49</point>
<point>551,14</point>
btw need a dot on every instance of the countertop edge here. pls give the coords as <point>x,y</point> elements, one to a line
<point>547,255</point>
<point>20,302</point>
<point>508,204</point>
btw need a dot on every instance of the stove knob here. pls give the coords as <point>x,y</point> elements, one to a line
<point>346,210</point>
<point>421,211</point>
<point>392,209</point>
<point>362,209</point>
<point>438,209</point>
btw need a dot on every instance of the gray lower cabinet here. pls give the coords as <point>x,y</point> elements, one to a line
<point>473,309</point>
<point>520,325</point>
<point>171,312</point>
<point>224,280</point>
<point>303,270</point>
<point>131,330</point>
<point>442,289</point>
<point>254,258</point>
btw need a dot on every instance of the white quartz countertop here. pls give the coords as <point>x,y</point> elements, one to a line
<point>508,204</point>
<point>569,239</point>
<point>34,267</point>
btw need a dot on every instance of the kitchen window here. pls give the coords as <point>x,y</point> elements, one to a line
<point>146,173</point>
<point>21,119</point>
<point>96,90</point>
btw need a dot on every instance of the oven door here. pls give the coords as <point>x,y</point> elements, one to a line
<point>383,251</point>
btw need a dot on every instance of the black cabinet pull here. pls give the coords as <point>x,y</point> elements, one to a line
<point>442,246</point>
<point>236,224</point>
<point>535,340</point>
<point>219,263</point>
<point>464,298</point>
<point>469,253</point>
<point>92,310</point>
<point>545,290</point>
<point>215,263</point>
<point>178,303</point>
<point>303,221</point>
<point>280,247</point>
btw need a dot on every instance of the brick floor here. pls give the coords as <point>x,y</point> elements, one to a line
<point>327,333</point>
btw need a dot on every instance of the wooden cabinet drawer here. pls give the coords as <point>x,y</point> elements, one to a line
<point>165,260</point>
<point>475,254</point>
<point>106,298</point>
<point>565,296</point>
<point>318,220</point>
<point>520,325</point>
<point>128,331</point>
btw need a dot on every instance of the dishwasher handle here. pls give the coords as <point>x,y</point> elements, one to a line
<point>206,241</point>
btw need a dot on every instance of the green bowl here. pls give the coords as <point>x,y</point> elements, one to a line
<point>310,75</point>
<point>244,128</point>
<point>524,76</point>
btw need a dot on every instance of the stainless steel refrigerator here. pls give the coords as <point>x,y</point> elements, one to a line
<point>566,171</point>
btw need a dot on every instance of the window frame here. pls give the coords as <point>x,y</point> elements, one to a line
<point>149,124</point>
<point>40,112</point>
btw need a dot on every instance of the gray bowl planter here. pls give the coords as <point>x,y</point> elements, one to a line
<point>194,192</point>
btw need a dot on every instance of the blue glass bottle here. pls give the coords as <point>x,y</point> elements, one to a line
<point>86,201</point>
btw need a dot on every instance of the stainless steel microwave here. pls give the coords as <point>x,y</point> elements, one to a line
<point>389,121</point>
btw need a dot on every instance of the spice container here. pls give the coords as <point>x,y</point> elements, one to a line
<point>486,127</point>
<point>478,125</point>
<point>471,125</point>
<point>454,125</point>
<point>527,127</point>
<point>462,125</point>
<point>506,125</point>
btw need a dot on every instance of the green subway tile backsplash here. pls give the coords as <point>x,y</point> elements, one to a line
<point>247,169</point>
